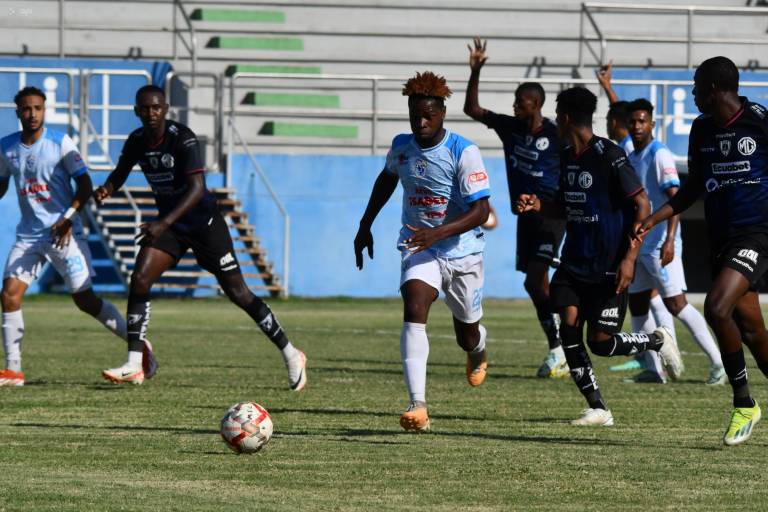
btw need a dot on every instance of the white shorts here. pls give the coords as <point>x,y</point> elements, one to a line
<point>461,280</point>
<point>649,274</point>
<point>73,262</point>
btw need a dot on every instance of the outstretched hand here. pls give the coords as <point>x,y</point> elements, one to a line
<point>477,55</point>
<point>101,193</point>
<point>363,240</point>
<point>604,74</point>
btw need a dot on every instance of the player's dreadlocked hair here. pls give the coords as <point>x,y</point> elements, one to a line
<point>428,85</point>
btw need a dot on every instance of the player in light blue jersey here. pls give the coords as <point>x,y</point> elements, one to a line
<point>660,264</point>
<point>445,200</point>
<point>43,163</point>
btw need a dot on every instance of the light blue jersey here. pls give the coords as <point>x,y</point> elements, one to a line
<point>439,184</point>
<point>43,173</point>
<point>655,166</point>
<point>627,145</point>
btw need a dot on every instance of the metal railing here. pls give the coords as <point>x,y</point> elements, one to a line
<point>590,9</point>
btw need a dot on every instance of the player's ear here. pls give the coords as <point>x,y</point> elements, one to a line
<point>136,110</point>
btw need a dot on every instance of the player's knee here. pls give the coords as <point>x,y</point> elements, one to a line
<point>600,348</point>
<point>141,284</point>
<point>716,311</point>
<point>415,311</point>
<point>239,294</point>
<point>11,301</point>
<point>676,305</point>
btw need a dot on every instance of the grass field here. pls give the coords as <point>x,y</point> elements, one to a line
<point>69,441</point>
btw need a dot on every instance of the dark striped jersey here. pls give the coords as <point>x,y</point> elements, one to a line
<point>596,188</point>
<point>533,163</point>
<point>729,164</point>
<point>166,164</point>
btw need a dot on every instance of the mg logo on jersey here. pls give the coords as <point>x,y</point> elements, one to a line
<point>585,180</point>
<point>542,143</point>
<point>746,146</point>
<point>610,313</point>
<point>167,160</point>
<point>748,254</point>
<point>725,147</point>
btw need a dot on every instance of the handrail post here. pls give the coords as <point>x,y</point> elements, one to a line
<point>84,94</point>
<point>689,44</point>
<point>581,34</point>
<point>61,29</point>
<point>664,112</point>
<point>375,116</point>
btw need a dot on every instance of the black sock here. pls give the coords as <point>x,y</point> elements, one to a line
<point>548,323</point>
<point>625,344</point>
<point>580,365</point>
<point>736,368</point>
<point>262,315</point>
<point>138,321</point>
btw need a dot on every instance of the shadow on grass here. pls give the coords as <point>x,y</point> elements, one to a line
<point>358,412</point>
<point>112,428</point>
<point>459,363</point>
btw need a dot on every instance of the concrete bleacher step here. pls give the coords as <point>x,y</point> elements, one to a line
<point>256,43</point>
<point>331,131</point>
<point>237,15</point>
<point>275,99</point>
<point>271,68</point>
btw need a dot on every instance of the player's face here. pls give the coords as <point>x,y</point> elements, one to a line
<point>563,122</point>
<point>526,104</point>
<point>31,112</point>
<point>702,94</point>
<point>641,127</point>
<point>151,109</point>
<point>426,116</point>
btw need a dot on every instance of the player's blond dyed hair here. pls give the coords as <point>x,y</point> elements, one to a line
<point>427,84</point>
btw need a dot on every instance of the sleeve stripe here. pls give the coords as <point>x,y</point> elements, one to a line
<point>195,171</point>
<point>669,184</point>
<point>478,195</point>
<point>633,194</point>
<point>80,172</point>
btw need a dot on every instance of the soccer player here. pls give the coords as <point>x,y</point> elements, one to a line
<point>43,163</point>
<point>531,148</point>
<point>445,199</point>
<point>169,155</point>
<point>659,265</point>
<point>601,198</point>
<point>617,127</point>
<point>728,164</point>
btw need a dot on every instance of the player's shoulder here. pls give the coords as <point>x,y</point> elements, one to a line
<point>55,136</point>
<point>609,152</point>
<point>659,149</point>
<point>549,128</point>
<point>179,130</point>
<point>9,141</point>
<point>401,140</point>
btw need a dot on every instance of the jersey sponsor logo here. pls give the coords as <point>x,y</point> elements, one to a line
<point>427,201</point>
<point>159,177</point>
<point>167,160</point>
<point>585,180</point>
<point>746,146</point>
<point>709,149</point>
<point>758,110</point>
<point>436,214</point>
<point>711,185</point>
<point>526,153</point>
<point>725,147</point>
<point>542,143</point>
<point>546,248</point>
<point>731,167</point>
<point>599,147</point>
<point>748,254</point>
<point>610,313</point>
<point>743,264</point>
<point>33,187</point>
<point>576,197</point>
<point>227,262</point>
<point>478,177</point>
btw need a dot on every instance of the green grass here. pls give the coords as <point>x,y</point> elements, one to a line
<point>70,442</point>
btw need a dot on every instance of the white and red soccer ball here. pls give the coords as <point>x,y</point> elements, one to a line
<point>246,427</point>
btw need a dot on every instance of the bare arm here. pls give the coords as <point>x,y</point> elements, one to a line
<point>383,188</point>
<point>195,190</point>
<point>530,202</point>
<point>424,238</point>
<point>668,247</point>
<point>681,201</point>
<point>604,77</point>
<point>626,270</point>
<point>61,231</point>
<point>114,181</point>
<point>477,58</point>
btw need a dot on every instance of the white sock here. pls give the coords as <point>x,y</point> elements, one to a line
<point>112,320</point>
<point>13,332</point>
<point>647,324</point>
<point>696,324</point>
<point>414,351</point>
<point>289,351</point>
<point>135,359</point>
<point>481,344</point>
<point>662,315</point>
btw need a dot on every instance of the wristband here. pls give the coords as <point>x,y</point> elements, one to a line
<point>70,213</point>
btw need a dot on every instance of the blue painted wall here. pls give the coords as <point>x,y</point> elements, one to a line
<point>325,196</point>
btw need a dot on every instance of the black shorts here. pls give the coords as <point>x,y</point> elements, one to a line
<point>538,239</point>
<point>746,254</point>
<point>598,303</point>
<point>211,245</point>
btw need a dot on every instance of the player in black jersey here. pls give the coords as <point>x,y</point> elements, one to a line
<point>601,197</point>
<point>169,155</point>
<point>531,148</point>
<point>728,164</point>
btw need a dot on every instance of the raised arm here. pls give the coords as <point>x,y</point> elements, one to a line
<point>477,58</point>
<point>383,188</point>
<point>604,77</point>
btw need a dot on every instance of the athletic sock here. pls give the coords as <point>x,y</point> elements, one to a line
<point>625,344</point>
<point>263,316</point>
<point>650,358</point>
<point>480,344</point>
<point>549,323</point>
<point>13,332</point>
<point>736,368</point>
<point>135,358</point>
<point>112,319</point>
<point>696,324</point>
<point>138,321</point>
<point>580,365</point>
<point>662,315</point>
<point>414,351</point>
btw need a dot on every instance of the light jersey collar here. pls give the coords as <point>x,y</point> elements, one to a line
<point>30,146</point>
<point>426,150</point>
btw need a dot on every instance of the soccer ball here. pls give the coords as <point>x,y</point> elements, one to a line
<point>246,427</point>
